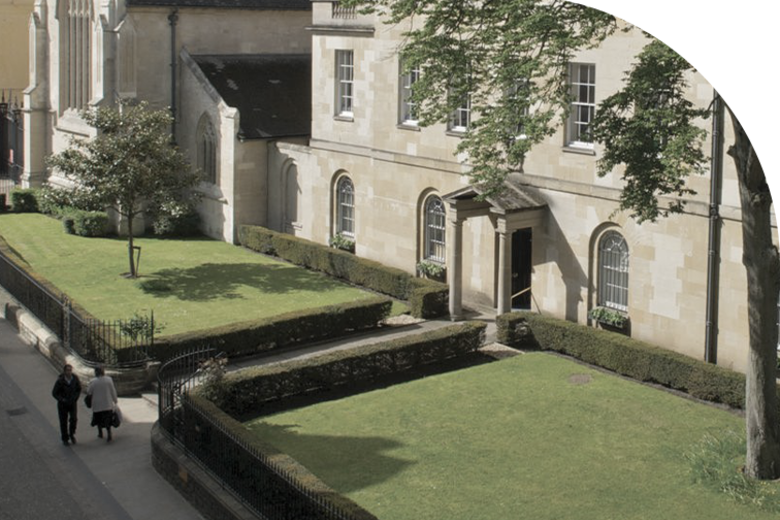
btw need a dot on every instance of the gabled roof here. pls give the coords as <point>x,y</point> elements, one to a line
<point>272,92</point>
<point>282,5</point>
<point>513,198</point>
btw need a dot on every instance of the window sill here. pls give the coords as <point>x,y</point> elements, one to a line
<point>581,150</point>
<point>456,133</point>
<point>344,118</point>
<point>407,126</point>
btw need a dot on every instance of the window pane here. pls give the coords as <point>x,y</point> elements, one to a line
<point>613,271</point>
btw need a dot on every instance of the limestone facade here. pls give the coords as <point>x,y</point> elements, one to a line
<point>394,168</point>
<point>14,55</point>
<point>89,54</point>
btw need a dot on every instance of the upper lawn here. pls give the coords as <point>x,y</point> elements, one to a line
<point>210,282</point>
<point>514,439</point>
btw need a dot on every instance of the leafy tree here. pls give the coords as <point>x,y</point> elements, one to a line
<point>511,57</point>
<point>130,166</point>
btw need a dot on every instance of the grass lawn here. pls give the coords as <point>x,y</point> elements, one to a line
<point>210,283</point>
<point>514,439</point>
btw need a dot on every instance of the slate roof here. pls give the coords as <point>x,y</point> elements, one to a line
<point>284,5</point>
<point>271,92</point>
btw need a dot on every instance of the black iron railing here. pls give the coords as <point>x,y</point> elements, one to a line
<point>240,467</point>
<point>120,343</point>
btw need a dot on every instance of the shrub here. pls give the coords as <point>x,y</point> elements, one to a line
<point>89,223</point>
<point>359,271</point>
<point>24,200</point>
<point>68,223</point>
<point>342,242</point>
<point>2,202</point>
<point>176,220</point>
<point>246,391</point>
<point>285,330</point>
<point>626,356</point>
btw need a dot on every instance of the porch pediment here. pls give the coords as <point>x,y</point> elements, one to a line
<point>514,198</point>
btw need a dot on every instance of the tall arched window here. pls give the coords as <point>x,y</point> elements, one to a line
<point>207,149</point>
<point>613,271</point>
<point>434,229</point>
<point>345,207</point>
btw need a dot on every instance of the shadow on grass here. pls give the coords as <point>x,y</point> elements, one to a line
<point>223,281</point>
<point>344,463</point>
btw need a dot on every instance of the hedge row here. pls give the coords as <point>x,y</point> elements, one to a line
<point>427,298</point>
<point>626,356</point>
<point>253,337</point>
<point>206,425</point>
<point>247,390</point>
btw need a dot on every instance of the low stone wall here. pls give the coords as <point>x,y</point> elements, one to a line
<point>209,498</point>
<point>128,381</point>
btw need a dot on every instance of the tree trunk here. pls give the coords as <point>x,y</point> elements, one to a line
<point>760,258</point>
<point>130,255</point>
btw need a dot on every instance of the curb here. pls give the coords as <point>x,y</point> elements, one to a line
<point>128,381</point>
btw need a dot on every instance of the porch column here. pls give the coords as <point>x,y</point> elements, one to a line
<point>455,265</point>
<point>504,274</point>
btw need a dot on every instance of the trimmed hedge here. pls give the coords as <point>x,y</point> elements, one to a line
<point>24,200</point>
<point>626,356</point>
<point>87,223</point>
<point>427,298</point>
<point>253,337</point>
<point>205,425</point>
<point>245,391</point>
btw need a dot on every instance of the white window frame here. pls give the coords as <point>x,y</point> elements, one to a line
<point>461,117</point>
<point>434,230</point>
<point>407,108</point>
<point>582,84</point>
<point>345,83</point>
<point>345,207</point>
<point>613,271</point>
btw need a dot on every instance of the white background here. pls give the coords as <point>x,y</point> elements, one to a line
<point>734,45</point>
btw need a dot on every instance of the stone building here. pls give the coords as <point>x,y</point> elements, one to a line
<point>14,65</point>
<point>90,54</point>
<point>551,243</point>
<point>298,114</point>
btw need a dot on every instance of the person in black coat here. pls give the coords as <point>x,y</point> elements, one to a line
<point>67,391</point>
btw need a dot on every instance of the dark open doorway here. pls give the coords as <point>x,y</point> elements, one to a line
<point>521,269</point>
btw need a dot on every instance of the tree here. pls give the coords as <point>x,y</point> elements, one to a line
<point>511,57</point>
<point>130,166</point>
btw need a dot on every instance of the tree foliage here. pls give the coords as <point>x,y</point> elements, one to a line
<point>509,57</point>
<point>130,166</point>
<point>650,128</point>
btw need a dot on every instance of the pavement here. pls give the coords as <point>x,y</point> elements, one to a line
<point>43,479</point>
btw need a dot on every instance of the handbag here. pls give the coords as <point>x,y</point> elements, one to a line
<point>116,417</point>
<point>88,400</point>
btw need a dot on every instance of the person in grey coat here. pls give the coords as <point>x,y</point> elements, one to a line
<point>104,401</point>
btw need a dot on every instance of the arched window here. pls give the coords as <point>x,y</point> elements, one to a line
<point>613,271</point>
<point>434,229</point>
<point>207,149</point>
<point>345,207</point>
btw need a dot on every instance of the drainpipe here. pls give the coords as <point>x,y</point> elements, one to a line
<point>172,19</point>
<point>713,262</point>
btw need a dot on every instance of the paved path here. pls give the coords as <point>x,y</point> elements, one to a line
<point>44,480</point>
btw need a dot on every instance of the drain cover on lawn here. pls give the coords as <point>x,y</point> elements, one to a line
<point>580,379</point>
